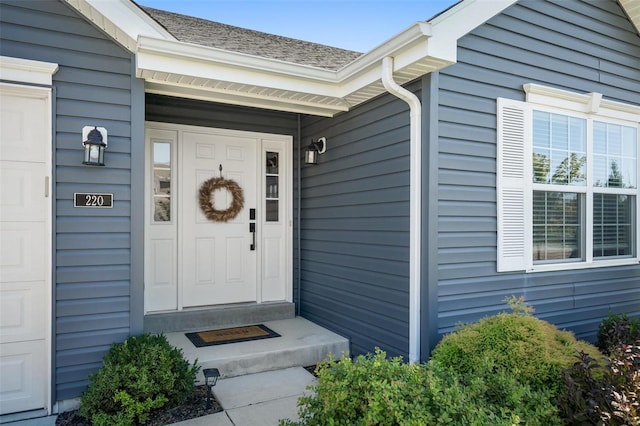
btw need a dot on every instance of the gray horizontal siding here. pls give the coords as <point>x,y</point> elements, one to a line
<point>575,45</point>
<point>191,112</point>
<point>92,268</point>
<point>355,226</point>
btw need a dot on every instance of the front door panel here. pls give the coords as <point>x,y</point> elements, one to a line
<point>218,265</point>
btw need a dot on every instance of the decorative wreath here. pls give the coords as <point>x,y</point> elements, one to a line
<point>207,201</point>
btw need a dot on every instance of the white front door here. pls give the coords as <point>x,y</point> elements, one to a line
<point>25,247</point>
<point>192,260</point>
<point>218,259</point>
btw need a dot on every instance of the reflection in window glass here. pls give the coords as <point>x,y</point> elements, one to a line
<point>615,155</point>
<point>559,149</point>
<point>557,226</point>
<point>161,182</point>
<point>272,187</point>
<point>272,163</point>
<point>613,225</point>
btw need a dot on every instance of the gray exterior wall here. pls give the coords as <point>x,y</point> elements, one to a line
<point>574,45</point>
<point>355,226</point>
<point>92,248</point>
<point>192,112</point>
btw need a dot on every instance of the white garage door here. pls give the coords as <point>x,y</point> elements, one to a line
<point>25,248</point>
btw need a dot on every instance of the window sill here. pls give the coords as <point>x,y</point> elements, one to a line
<point>583,265</point>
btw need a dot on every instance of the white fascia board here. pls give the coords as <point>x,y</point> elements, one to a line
<point>467,15</point>
<point>121,19</point>
<point>216,64</point>
<point>632,8</point>
<point>448,27</point>
<point>130,18</point>
<point>27,71</point>
<point>407,48</point>
<point>418,32</point>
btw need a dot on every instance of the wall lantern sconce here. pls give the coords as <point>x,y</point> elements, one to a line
<point>315,148</point>
<point>211,378</point>
<point>94,142</point>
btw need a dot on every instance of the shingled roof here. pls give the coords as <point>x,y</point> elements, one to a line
<point>227,37</point>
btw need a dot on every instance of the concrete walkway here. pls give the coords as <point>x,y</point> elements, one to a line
<point>260,399</point>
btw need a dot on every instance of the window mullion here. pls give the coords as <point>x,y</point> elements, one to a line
<point>588,225</point>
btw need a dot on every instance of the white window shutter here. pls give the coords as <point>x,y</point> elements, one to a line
<point>513,185</point>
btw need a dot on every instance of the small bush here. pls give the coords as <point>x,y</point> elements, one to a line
<point>142,374</point>
<point>374,390</point>
<point>607,394</point>
<point>616,330</point>
<point>534,350</point>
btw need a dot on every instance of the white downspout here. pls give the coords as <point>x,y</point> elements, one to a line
<point>415,203</point>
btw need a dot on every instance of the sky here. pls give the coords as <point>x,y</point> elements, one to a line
<point>358,25</point>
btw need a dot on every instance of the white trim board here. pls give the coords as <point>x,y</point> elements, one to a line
<point>27,71</point>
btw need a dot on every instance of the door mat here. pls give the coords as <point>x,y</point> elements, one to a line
<point>231,335</point>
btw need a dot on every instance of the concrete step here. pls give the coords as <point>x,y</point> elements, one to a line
<point>218,317</point>
<point>302,343</point>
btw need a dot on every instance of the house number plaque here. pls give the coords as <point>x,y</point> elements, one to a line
<point>97,201</point>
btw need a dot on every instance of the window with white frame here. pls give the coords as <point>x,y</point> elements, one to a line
<point>567,181</point>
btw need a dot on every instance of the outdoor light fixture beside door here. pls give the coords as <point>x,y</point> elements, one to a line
<point>94,142</point>
<point>315,148</point>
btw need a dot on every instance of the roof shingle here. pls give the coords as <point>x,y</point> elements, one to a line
<point>200,31</point>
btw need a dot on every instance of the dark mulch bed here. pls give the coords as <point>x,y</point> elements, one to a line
<point>311,369</point>
<point>195,406</point>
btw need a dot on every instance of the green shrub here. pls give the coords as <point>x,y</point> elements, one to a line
<point>532,349</point>
<point>616,330</point>
<point>371,390</point>
<point>139,375</point>
<point>374,390</point>
<point>491,396</point>
<point>599,394</point>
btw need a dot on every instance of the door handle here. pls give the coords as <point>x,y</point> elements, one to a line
<point>252,229</point>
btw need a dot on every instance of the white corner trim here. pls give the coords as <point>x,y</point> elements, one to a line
<point>27,71</point>
<point>588,103</point>
<point>415,203</point>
